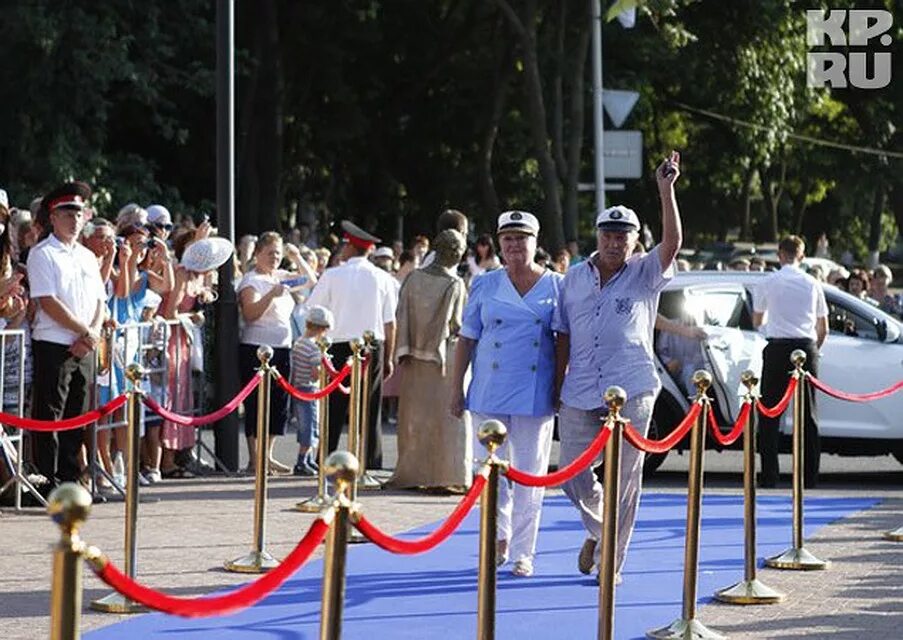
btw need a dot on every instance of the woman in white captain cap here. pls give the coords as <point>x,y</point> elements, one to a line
<point>506,335</point>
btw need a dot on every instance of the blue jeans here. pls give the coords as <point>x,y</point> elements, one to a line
<point>306,415</point>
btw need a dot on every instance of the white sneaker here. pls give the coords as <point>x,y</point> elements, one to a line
<point>153,476</point>
<point>119,469</point>
<point>142,481</point>
<point>523,568</point>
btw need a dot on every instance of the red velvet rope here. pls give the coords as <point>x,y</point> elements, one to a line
<point>314,395</point>
<point>68,423</point>
<point>730,437</point>
<point>331,370</point>
<point>207,606</point>
<point>198,421</point>
<point>668,442</point>
<point>854,397</point>
<point>778,409</point>
<point>564,474</point>
<point>429,541</point>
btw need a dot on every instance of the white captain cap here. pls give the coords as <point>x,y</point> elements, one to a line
<point>519,221</point>
<point>618,218</point>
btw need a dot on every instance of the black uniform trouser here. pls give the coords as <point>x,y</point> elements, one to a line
<point>776,368</point>
<point>61,390</point>
<point>338,404</point>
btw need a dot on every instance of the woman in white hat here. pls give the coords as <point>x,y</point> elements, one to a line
<point>507,336</point>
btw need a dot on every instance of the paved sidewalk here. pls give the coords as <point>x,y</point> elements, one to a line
<point>192,526</point>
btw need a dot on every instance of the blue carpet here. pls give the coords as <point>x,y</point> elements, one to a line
<point>434,595</point>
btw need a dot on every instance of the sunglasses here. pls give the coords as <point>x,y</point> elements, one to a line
<point>163,226</point>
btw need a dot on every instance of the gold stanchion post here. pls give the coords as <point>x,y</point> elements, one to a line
<point>115,602</point>
<point>688,627</point>
<point>69,506</point>
<point>615,397</point>
<point>343,467</point>
<point>798,557</point>
<point>366,480</point>
<point>259,560</point>
<point>896,535</point>
<point>492,435</point>
<point>354,424</point>
<point>750,590</point>
<point>320,501</point>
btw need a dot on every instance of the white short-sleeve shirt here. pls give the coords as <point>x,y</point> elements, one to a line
<point>274,327</point>
<point>792,301</point>
<point>361,296</point>
<point>70,274</point>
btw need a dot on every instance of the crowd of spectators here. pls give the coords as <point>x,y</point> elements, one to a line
<point>140,256</point>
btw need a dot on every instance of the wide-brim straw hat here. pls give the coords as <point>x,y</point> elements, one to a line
<point>207,254</point>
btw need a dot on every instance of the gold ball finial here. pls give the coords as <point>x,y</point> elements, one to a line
<point>134,372</point>
<point>264,354</point>
<point>492,434</point>
<point>324,343</point>
<point>702,380</point>
<point>798,357</point>
<point>356,346</point>
<point>69,505</point>
<point>749,379</point>
<point>615,397</point>
<point>343,467</point>
<point>369,337</point>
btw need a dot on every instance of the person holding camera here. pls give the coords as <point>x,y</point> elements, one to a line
<point>266,308</point>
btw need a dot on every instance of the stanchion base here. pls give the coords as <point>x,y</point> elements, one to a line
<point>313,505</point>
<point>685,630</point>
<point>896,535</point>
<point>796,559</point>
<point>749,592</point>
<point>117,603</point>
<point>254,562</point>
<point>356,537</point>
<point>368,482</point>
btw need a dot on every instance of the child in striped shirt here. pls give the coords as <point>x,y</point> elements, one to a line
<point>305,365</point>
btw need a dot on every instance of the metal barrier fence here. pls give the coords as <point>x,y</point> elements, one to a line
<point>13,359</point>
<point>168,351</point>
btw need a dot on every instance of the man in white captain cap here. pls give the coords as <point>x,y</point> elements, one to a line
<point>605,319</point>
<point>362,297</point>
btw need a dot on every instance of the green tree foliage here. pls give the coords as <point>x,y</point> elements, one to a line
<point>389,112</point>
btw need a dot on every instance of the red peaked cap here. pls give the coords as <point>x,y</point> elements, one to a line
<point>75,195</point>
<point>357,237</point>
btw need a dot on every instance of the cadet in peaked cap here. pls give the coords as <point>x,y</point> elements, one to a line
<point>69,195</point>
<point>358,237</point>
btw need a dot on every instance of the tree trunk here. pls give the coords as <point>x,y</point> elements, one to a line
<point>260,176</point>
<point>746,196</point>
<point>550,216</point>
<point>875,226</point>
<point>802,206</point>
<point>501,82</point>
<point>576,120</point>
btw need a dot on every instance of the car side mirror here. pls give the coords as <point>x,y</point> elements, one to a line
<point>881,328</point>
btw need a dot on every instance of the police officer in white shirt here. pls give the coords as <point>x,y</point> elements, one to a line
<point>362,297</point>
<point>797,318</point>
<point>65,281</point>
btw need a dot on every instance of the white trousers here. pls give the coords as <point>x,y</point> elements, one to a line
<point>527,448</point>
<point>577,428</point>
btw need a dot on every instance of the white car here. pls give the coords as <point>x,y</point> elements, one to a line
<point>863,353</point>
